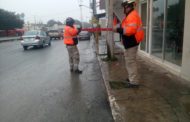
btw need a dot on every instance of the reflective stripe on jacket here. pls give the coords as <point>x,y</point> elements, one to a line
<point>132,25</point>
<point>69,34</point>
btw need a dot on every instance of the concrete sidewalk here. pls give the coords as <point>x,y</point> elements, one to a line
<point>162,97</point>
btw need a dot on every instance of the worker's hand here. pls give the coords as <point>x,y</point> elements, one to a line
<point>116,27</point>
<point>79,30</point>
<point>79,27</point>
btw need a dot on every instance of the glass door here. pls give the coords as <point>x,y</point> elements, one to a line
<point>143,13</point>
<point>158,28</point>
<point>174,31</point>
<point>167,30</point>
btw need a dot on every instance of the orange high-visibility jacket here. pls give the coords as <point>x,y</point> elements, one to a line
<point>132,25</point>
<point>69,34</point>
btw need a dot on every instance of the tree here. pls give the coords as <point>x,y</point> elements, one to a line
<point>59,23</point>
<point>9,20</point>
<point>51,22</point>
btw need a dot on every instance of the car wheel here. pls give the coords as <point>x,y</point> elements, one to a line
<point>25,47</point>
<point>49,43</point>
<point>35,47</point>
<point>41,46</point>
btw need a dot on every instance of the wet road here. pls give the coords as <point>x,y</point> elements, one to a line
<point>37,86</point>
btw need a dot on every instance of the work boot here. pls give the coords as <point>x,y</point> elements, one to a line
<point>78,71</point>
<point>127,80</point>
<point>71,70</point>
<point>129,85</point>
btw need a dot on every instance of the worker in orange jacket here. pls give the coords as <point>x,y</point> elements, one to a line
<point>71,41</point>
<point>132,34</point>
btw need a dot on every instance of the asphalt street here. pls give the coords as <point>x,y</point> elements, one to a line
<point>36,85</point>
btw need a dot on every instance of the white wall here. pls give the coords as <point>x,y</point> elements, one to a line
<point>185,70</point>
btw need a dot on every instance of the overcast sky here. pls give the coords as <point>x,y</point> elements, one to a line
<point>44,10</point>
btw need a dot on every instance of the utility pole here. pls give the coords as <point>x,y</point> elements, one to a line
<point>34,21</point>
<point>110,39</point>
<point>96,34</point>
<point>81,17</point>
<point>94,7</point>
<point>28,25</point>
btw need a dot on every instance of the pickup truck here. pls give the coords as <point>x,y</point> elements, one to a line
<point>55,34</point>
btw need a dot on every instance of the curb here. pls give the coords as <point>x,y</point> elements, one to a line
<point>117,117</point>
<point>112,101</point>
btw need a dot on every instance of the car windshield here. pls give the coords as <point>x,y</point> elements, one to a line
<point>29,33</point>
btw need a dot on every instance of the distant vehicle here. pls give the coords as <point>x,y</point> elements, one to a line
<point>84,35</point>
<point>55,34</point>
<point>36,38</point>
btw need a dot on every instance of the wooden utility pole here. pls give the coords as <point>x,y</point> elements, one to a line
<point>95,22</point>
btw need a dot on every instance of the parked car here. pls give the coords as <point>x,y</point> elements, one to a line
<point>84,35</point>
<point>56,34</point>
<point>35,38</point>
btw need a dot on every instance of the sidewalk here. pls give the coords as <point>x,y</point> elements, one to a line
<point>162,97</point>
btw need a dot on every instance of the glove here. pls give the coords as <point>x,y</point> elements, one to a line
<point>119,30</point>
<point>79,30</point>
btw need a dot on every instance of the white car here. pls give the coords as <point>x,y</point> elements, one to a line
<point>37,38</point>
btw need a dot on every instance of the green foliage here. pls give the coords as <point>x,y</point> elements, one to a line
<point>94,21</point>
<point>51,22</point>
<point>9,20</point>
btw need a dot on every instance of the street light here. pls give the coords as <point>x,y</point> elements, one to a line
<point>81,13</point>
<point>84,6</point>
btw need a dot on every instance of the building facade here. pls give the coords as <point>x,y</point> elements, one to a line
<point>167,38</point>
<point>166,42</point>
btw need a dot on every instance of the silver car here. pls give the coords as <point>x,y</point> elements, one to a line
<point>36,38</point>
<point>84,35</point>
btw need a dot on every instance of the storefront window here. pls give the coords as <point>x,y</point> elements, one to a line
<point>144,19</point>
<point>157,28</point>
<point>174,31</point>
